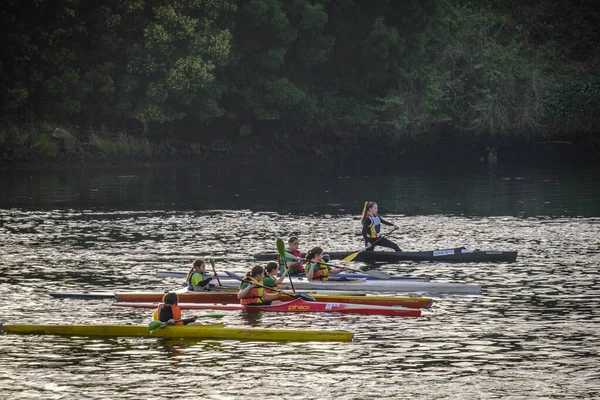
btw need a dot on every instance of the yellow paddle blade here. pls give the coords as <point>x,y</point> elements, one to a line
<point>351,257</point>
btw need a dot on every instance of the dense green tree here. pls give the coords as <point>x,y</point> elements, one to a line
<point>389,68</point>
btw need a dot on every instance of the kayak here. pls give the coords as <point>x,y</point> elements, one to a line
<point>225,298</point>
<point>183,274</point>
<point>459,254</point>
<point>379,285</point>
<point>296,305</point>
<point>216,332</point>
<point>220,297</point>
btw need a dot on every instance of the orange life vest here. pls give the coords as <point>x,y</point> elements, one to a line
<point>254,295</point>
<point>176,313</point>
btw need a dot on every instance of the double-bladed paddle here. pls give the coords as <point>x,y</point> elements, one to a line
<point>302,296</point>
<point>159,324</point>
<point>281,251</point>
<point>374,273</point>
<point>355,254</point>
<point>212,263</point>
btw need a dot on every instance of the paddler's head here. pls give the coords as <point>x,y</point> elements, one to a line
<point>293,242</point>
<point>257,272</point>
<point>171,299</point>
<point>372,208</point>
<point>272,268</point>
<point>315,254</point>
<point>199,265</point>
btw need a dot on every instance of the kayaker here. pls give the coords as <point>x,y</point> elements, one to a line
<point>291,262</point>
<point>316,269</point>
<point>197,278</point>
<point>170,313</point>
<point>371,228</point>
<point>251,290</point>
<point>271,280</point>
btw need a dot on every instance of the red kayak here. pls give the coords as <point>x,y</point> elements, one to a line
<point>297,305</point>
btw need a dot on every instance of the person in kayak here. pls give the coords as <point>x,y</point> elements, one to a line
<point>170,313</point>
<point>271,280</point>
<point>316,269</point>
<point>371,228</point>
<point>291,263</point>
<point>252,291</point>
<point>197,278</point>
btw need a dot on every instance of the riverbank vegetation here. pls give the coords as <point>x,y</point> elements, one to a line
<point>149,79</point>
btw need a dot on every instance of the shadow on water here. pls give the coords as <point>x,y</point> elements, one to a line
<point>322,188</point>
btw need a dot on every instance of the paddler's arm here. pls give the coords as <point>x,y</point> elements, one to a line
<point>244,291</point>
<point>282,277</point>
<point>206,281</point>
<point>366,231</point>
<point>387,223</point>
<point>310,271</point>
<point>189,320</point>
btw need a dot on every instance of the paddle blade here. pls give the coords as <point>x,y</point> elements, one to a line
<point>212,263</point>
<point>378,274</point>
<point>155,325</point>
<point>351,257</point>
<point>281,248</point>
<point>306,297</point>
<point>233,276</point>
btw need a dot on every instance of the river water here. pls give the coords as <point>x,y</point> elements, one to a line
<point>534,332</point>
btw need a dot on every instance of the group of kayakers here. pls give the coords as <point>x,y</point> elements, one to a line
<point>262,285</point>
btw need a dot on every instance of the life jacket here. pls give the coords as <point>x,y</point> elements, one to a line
<point>375,227</point>
<point>321,272</point>
<point>291,255</point>
<point>254,295</point>
<point>198,288</point>
<point>176,313</point>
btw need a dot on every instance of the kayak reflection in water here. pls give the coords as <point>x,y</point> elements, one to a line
<point>316,269</point>
<point>197,278</point>
<point>252,291</point>
<point>170,313</point>
<point>371,228</point>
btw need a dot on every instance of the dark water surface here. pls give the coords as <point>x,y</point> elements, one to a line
<point>533,333</point>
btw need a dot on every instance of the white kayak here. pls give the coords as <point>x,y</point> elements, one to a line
<point>183,274</point>
<point>373,285</point>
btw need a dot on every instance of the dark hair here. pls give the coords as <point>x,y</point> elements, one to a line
<point>271,266</point>
<point>171,298</point>
<point>257,269</point>
<point>197,263</point>
<point>313,252</point>
<point>292,239</point>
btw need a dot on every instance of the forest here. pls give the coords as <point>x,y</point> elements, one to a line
<point>157,79</point>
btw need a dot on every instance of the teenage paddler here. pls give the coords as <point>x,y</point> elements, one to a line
<point>169,311</point>
<point>371,228</point>
<point>251,291</point>
<point>316,269</point>
<point>293,260</point>
<point>197,278</point>
<point>271,280</point>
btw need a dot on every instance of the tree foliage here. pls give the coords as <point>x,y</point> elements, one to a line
<point>393,68</point>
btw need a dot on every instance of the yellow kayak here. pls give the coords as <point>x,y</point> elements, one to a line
<point>215,331</point>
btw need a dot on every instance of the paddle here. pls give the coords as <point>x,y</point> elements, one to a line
<point>158,324</point>
<point>212,263</point>
<point>373,272</point>
<point>355,254</point>
<point>302,296</point>
<point>281,251</point>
